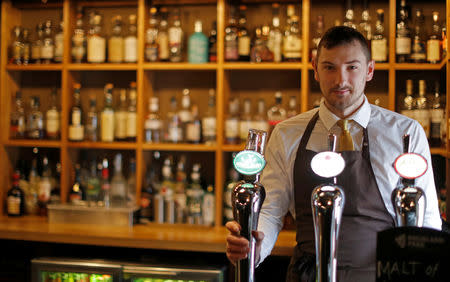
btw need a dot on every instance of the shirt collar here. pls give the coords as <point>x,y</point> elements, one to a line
<point>361,116</point>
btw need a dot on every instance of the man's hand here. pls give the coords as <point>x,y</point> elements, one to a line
<point>237,246</point>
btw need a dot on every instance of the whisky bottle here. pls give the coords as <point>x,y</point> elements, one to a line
<point>317,35</point>
<point>37,44</point>
<point>195,197</point>
<point>130,41</point>
<point>243,36</point>
<point>48,46</point>
<point>35,120</point>
<point>17,119</point>
<point>15,201</point>
<point>176,39</point>
<point>59,42</point>
<point>349,15</point>
<point>151,36</point>
<point>180,186</point>
<point>212,39</point>
<point>131,184</point>
<point>174,131</point>
<point>194,127</point>
<point>434,41</point>
<point>131,113</point>
<point>437,117</point>
<point>403,36</point>
<point>421,108</point>
<point>209,206</point>
<point>116,42</point>
<point>152,184</point>
<point>76,127</point>
<point>120,117</point>
<point>260,119</point>
<point>365,25</point>
<point>118,184</point>
<point>275,36</point>
<point>163,37</point>
<point>209,120</point>
<point>92,121</point>
<point>26,54</point>
<point>16,48</point>
<point>45,187</point>
<point>379,41</point>
<point>276,113</point>
<point>185,113</point>
<point>292,41</point>
<point>76,191</point>
<point>31,194</point>
<point>292,110</point>
<point>232,122</point>
<point>79,40</point>
<point>93,186</point>
<point>231,38</point>
<point>245,121</point>
<point>107,116</point>
<point>96,42</point>
<point>418,51</point>
<point>52,124</point>
<point>407,108</point>
<point>198,45</point>
<point>153,123</point>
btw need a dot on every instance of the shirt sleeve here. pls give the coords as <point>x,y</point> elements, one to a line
<point>419,144</point>
<point>275,179</point>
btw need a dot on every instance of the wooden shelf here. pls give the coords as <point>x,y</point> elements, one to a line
<point>439,151</point>
<point>179,66</point>
<point>35,67</point>
<point>263,66</point>
<point>233,148</point>
<point>103,145</point>
<point>102,67</point>
<point>179,147</point>
<point>33,143</point>
<point>108,3</point>
<point>425,66</point>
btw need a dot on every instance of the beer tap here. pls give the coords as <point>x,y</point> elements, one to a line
<point>327,203</point>
<point>248,196</point>
<point>409,201</point>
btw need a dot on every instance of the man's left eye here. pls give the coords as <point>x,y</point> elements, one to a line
<point>353,67</point>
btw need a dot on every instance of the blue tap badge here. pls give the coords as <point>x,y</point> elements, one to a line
<point>249,162</point>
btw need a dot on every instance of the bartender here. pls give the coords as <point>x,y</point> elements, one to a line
<point>369,140</point>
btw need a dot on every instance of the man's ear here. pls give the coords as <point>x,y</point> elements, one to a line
<point>370,70</point>
<point>314,65</point>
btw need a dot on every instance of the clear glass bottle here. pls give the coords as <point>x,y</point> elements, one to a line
<point>48,44</point>
<point>79,40</point>
<point>243,36</point>
<point>174,129</point>
<point>151,37</point>
<point>349,15</point>
<point>153,123</point>
<point>132,113</point>
<point>131,184</point>
<point>120,117</point>
<point>92,121</point>
<point>37,44</point>
<point>16,47</point>
<point>292,110</point>
<point>275,35</point>
<point>166,194</point>
<point>163,37</point>
<point>45,187</point>
<point>52,121</point>
<point>118,184</point>
<point>180,190</point>
<point>194,127</point>
<point>418,49</point>
<point>116,41</point>
<point>96,42</point>
<point>232,122</point>
<point>365,25</point>
<point>195,196</point>
<point>185,112</point>
<point>130,41</point>
<point>26,54</point>
<point>434,42</point>
<point>105,194</point>
<point>292,40</point>
<point>31,194</point>
<point>17,119</point>
<point>317,35</point>
<point>35,120</point>
<point>209,120</point>
<point>209,206</point>
<point>198,45</point>
<point>107,116</point>
<point>259,121</point>
<point>379,41</point>
<point>422,108</point>
<point>93,186</point>
<point>403,36</point>
<point>407,108</point>
<point>176,38</point>
<point>76,126</point>
<point>245,121</point>
<point>212,39</point>
<point>59,42</point>
<point>231,38</point>
<point>437,117</point>
<point>276,113</point>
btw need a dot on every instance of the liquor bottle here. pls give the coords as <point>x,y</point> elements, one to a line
<point>317,35</point>
<point>31,194</point>
<point>45,187</point>
<point>76,127</point>
<point>403,37</point>
<point>418,49</point>
<point>349,15</point>
<point>176,39</point>
<point>107,116</point>
<point>365,25</point>
<point>260,119</point>
<point>120,117</point>
<point>195,197</point>
<point>163,37</point>
<point>37,44</point>
<point>131,184</point>
<point>209,206</point>
<point>55,193</point>
<point>116,41</point>
<point>35,120</point>
<point>76,191</point>
<point>16,48</point>
<point>180,190</point>
<point>437,117</point>
<point>276,113</point>
<point>118,184</point>
<point>79,40</point>
<point>407,108</point>
<point>26,54</point>
<point>231,37</point>
<point>185,113</point>
<point>260,52</point>
<point>379,41</point>
<point>131,113</point>
<point>275,35</point>
<point>292,110</point>
<point>96,42</point>
<point>166,194</point>
<point>421,108</point>
<point>52,123</point>
<point>59,42</point>
<point>434,43</point>
<point>153,124</point>
<point>92,121</point>
<point>130,42</point>
<point>48,44</point>
<point>151,37</point>
<point>93,186</point>
<point>209,120</point>
<point>15,201</point>
<point>232,122</point>
<point>152,185</point>
<point>212,39</point>
<point>243,36</point>
<point>17,119</point>
<point>198,45</point>
<point>105,197</point>
<point>245,121</point>
<point>174,131</point>
<point>292,40</point>
<point>194,127</point>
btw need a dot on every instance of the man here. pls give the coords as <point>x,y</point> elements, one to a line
<point>342,67</point>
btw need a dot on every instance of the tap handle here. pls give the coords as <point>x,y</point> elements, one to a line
<point>332,142</point>
<point>406,143</point>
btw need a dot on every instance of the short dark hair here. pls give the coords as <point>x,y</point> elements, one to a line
<point>340,35</point>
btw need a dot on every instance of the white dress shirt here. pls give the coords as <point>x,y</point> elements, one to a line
<point>385,130</point>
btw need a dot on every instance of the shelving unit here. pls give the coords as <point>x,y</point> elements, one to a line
<point>154,78</point>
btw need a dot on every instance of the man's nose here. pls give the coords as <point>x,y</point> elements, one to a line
<point>341,77</point>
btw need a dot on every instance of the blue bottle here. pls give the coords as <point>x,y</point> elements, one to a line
<point>198,45</point>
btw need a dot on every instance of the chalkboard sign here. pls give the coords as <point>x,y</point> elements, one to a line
<point>408,254</point>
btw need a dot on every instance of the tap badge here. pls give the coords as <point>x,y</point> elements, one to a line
<point>327,164</point>
<point>249,162</point>
<point>410,165</point>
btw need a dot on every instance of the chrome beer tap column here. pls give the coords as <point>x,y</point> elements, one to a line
<point>248,196</point>
<point>409,201</point>
<point>327,202</point>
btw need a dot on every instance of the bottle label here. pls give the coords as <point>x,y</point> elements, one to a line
<point>107,126</point>
<point>379,50</point>
<point>47,52</point>
<point>244,46</point>
<point>423,117</point>
<point>131,124</point>
<point>231,50</point>
<point>78,48</point>
<point>76,133</point>
<point>120,123</point>
<point>292,47</point>
<point>208,209</point>
<point>193,132</point>
<point>115,49</point>
<point>35,52</point>
<point>209,127</point>
<point>96,49</point>
<point>13,205</point>
<point>175,134</point>
<point>44,191</point>
<point>403,45</point>
<point>153,124</point>
<point>163,41</point>
<point>433,50</point>
<point>59,47</point>
<point>131,49</point>
<point>151,53</point>
<point>76,118</point>
<point>198,49</point>
<point>52,123</point>
<point>17,52</point>
<point>274,44</point>
<point>232,128</point>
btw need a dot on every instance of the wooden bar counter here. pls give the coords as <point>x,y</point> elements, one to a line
<point>150,236</point>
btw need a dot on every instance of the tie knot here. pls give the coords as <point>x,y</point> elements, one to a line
<point>343,124</point>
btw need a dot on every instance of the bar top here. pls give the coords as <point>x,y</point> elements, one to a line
<point>150,236</point>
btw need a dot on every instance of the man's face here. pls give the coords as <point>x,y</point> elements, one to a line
<point>342,72</point>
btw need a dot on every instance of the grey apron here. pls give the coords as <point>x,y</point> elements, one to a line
<point>364,214</point>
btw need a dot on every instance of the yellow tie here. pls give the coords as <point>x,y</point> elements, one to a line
<point>345,140</point>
